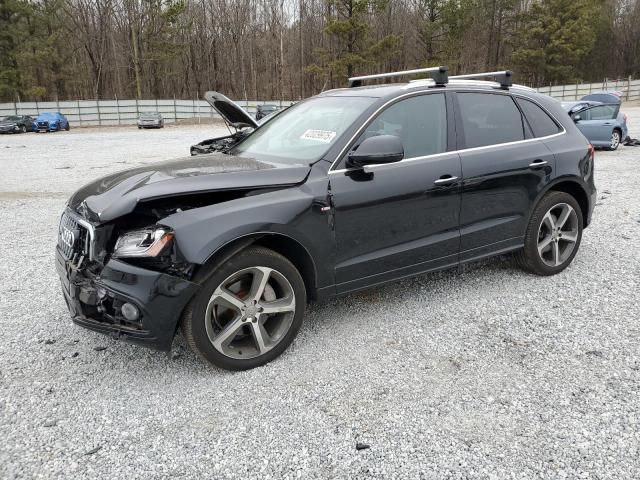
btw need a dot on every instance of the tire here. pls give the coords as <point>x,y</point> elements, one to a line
<point>23,129</point>
<point>616,138</point>
<point>68,127</point>
<point>229,338</point>
<point>547,251</point>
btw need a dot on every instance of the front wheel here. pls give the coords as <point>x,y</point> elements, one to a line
<point>615,140</point>
<point>23,129</point>
<point>553,235</point>
<point>248,311</point>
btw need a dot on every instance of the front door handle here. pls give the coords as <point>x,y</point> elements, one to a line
<point>445,180</point>
<point>538,164</point>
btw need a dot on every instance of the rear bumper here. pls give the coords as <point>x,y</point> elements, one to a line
<point>94,301</point>
<point>592,204</point>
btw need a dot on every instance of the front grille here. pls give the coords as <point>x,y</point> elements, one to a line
<point>74,237</point>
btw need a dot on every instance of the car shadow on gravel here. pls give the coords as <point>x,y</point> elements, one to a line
<point>322,319</point>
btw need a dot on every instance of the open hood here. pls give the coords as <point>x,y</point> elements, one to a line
<point>232,113</point>
<point>603,97</point>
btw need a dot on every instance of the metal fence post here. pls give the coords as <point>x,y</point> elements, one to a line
<point>628,87</point>
<point>98,109</point>
<point>118,110</point>
<point>79,112</point>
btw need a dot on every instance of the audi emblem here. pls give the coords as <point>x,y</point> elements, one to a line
<point>67,237</point>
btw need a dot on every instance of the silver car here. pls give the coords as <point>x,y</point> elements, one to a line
<point>599,120</point>
<point>150,120</point>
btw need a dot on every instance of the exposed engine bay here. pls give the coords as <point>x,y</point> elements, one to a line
<point>220,144</point>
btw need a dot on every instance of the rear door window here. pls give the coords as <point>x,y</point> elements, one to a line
<point>540,122</point>
<point>602,112</point>
<point>489,119</point>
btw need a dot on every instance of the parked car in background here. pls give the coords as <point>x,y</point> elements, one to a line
<point>264,110</point>
<point>602,123</point>
<point>16,124</point>
<point>50,122</point>
<point>150,120</point>
<point>349,189</point>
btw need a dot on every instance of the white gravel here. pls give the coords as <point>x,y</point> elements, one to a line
<point>488,373</point>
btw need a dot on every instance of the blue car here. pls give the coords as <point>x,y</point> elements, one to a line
<point>50,122</point>
<point>599,119</point>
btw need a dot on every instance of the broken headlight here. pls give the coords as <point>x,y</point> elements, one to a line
<point>147,242</point>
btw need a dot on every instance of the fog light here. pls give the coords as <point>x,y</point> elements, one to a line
<point>130,312</point>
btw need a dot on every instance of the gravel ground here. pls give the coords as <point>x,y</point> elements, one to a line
<point>484,373</point>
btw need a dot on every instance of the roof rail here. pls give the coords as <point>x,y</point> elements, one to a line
<point>504,77</point>
<point>439,75</point>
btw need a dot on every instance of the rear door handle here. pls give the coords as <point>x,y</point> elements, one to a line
<point>538,164</point>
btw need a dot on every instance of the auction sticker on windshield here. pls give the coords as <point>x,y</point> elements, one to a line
<point>324,136</point>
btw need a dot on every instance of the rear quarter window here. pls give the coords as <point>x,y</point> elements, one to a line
<point>489,119</point>
<point>540,122</point>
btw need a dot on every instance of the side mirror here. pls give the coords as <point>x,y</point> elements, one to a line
<point>376,150</point>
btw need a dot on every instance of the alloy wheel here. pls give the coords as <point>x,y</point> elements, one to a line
<point>250,312</point>
<point>558,234</point>
<point>615,140</point>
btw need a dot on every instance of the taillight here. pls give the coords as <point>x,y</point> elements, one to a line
<point>592,152</point>
<point>624,115</point>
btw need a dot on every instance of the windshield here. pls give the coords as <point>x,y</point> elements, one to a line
<point>48,115</point>
<point>304,131</point>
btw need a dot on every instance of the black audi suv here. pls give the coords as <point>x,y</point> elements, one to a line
<point>351,188</point>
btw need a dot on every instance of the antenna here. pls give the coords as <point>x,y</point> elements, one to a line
<point>438,74</point>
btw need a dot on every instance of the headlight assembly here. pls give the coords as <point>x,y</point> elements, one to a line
<point>146,242</point>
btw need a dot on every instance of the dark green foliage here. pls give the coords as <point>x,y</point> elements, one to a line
<point>556,36</point>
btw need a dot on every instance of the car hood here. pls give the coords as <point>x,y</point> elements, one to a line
<point>604,97</point>
<point>118,194</point>
<point>233,113</point>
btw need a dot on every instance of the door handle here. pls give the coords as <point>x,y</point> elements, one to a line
<point>445,180</point>
<point>538,164</point>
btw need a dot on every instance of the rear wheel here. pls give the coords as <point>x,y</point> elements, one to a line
<point>248,311</point>
<point>553,235</point>
<point>23,129</point>
<point>615,140</point>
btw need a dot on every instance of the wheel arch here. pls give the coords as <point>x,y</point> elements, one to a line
<point>280,243</point>
<point>573,187</point>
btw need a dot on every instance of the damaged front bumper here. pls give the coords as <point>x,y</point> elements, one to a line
<point>95,300</point>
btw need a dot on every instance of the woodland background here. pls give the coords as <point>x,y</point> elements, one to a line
<point>290,49</point>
